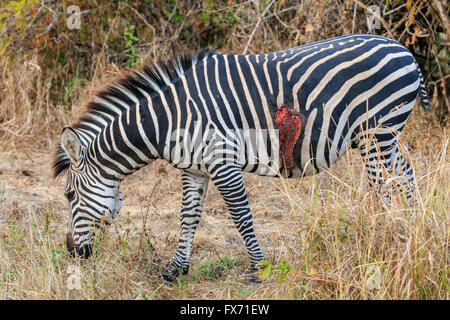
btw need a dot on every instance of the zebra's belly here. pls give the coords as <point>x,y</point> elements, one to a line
<point>303,164</point>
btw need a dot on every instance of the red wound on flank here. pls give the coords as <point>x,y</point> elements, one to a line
<point>289,125</point>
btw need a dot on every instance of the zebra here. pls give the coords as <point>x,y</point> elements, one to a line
<point>291,113</point>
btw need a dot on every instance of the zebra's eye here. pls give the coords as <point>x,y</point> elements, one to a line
<point>70,195</point>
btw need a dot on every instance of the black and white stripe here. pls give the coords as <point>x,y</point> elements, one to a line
<point>213,116</point>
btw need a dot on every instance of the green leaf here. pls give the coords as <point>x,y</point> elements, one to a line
<point>264,269</point>
<point>284,267</point>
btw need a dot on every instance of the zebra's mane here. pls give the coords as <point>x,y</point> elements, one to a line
<point>151,78</point>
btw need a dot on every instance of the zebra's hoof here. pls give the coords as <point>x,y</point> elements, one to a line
<point>171,274</point>
<point>254,279</point>
<point>168,278</point>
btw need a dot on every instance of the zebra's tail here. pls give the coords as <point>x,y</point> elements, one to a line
<point>423,91</point>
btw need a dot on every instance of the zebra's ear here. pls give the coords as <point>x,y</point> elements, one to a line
<point>71,144</point>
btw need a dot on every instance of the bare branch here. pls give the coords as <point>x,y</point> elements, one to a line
<point>256,27</point>
<point>444,17</point>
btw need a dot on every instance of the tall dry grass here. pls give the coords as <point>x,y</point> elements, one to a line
<point>324,237</point>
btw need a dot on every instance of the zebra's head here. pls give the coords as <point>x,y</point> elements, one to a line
<point>93,200</point>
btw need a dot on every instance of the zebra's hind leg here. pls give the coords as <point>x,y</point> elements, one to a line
<point>403,174</point>
<point>387,168</point>
<point>229,182</point>
<point>194,192</point>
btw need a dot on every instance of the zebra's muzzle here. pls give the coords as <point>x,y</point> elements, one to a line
<point>83,252</point>
<point>70,245</point>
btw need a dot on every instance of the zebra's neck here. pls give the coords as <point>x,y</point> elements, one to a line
<point>120,138</point>
<point>129,123</point>
<point>125,144</point>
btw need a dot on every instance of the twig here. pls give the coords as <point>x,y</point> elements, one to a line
<point>104,43</point>
<point>443,85</point>
<point>393,10</point>
<point>354,19</point>
<point>140,16</point>
<point>439,80</point>
<point>144,223</point>
<point>225,8</point>
<point>281,11</point>
<point>257,25</point>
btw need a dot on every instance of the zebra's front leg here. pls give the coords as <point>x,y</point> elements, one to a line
<point>229,182</point>
<point>194,192</point>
